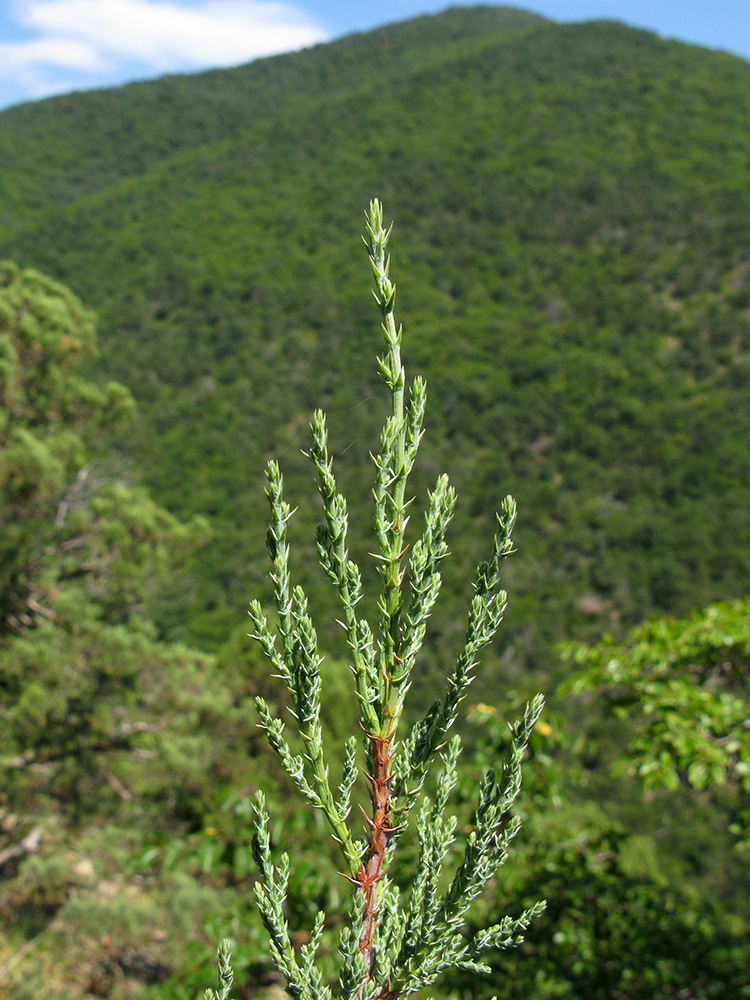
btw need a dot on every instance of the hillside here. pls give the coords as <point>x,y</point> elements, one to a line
<point>573,280</point>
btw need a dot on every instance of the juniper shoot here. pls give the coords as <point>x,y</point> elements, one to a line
<point>392,944</point>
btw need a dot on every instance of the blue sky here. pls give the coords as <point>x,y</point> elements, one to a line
<point>55,46</point>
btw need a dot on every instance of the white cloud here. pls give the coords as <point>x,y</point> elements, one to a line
<point>67,53</point>
<point>140,38</point>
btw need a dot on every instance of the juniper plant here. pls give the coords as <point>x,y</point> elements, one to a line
<point>391,945</point>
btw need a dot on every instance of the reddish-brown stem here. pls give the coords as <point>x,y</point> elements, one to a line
<point>371,871</point>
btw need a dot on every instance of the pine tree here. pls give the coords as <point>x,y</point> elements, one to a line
<point>81,553</point>
<point>393,944</point>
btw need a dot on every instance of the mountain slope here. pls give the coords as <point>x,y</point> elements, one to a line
<point>94,138</point>
<point>571,248</point>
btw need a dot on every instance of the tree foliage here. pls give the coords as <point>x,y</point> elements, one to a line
<point>82,551</point>
<point>577,246</point>
<point>574,203</point>
<point>47,408</point>
<point>623,917</point>
<point>685,684</point>
<point>104,727</point>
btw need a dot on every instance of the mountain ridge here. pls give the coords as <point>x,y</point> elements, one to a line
<point>261,81</point>
<point>571,203</point>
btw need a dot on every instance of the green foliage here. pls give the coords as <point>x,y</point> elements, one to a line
<point>46,407</point>
<point>105,727</point>
<point>392,943</point>
<point>226,976</point>
<point>622,918</point>
<point>576,249</point>
<point>685,682</point>
<point>82,552</point>
<point>575,207</point>
<point>620,928</point>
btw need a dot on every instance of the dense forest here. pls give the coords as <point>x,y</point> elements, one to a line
<point>573,237</point>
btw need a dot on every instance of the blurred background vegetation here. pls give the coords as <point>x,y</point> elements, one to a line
<point>572,243</point>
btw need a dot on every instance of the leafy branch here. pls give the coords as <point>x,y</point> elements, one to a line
<point>393,943</point>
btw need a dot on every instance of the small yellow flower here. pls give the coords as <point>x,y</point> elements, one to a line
<point>543,728</point>
<point>484,709</point>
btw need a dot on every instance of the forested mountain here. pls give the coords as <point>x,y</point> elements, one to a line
<point>575,283</point>
<point>573,243</point>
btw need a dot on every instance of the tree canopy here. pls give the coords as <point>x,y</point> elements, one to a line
<point>686,685</point>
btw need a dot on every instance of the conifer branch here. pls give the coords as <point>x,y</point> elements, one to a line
<point>226,976</point>
<point>392,945</point>
<point>345,575</point>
